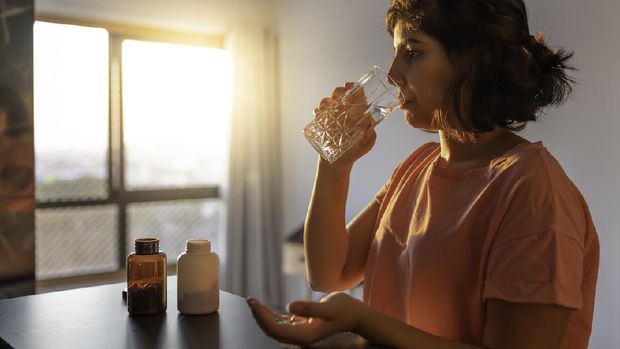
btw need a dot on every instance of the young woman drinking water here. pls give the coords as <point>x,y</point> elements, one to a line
<point>477,241</point>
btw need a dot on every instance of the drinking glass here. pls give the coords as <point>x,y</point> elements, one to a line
<point>339,127</point>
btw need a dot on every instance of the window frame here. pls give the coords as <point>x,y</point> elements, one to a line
<point>118,194</point>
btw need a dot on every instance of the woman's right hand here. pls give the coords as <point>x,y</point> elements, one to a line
<point>355,100</point>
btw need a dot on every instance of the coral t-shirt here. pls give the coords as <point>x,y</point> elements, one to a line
<point>446,240</point>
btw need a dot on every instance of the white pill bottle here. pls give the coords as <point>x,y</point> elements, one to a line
<point>198,270</point>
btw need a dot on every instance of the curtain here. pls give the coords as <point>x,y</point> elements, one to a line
<point>253,239</point>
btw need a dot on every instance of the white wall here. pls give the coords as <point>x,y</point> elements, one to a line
<point>324,43</point>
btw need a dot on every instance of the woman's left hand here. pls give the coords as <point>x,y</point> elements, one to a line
<point>310,321</point>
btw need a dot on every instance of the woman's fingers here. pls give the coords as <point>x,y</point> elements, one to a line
<point>293,329</point>
<point>337,94</point>
<point>357,96</point>
<point>367,142</point>
<point>310,309</point>
<point>325,102</point>
<point>265,317</point>
<point>268,320</point>
<point>362,147</point>
<point>370,137</point>
<point>342,90</point>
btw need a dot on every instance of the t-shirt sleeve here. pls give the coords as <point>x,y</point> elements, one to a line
<point>538,251</point>
<point>402,166</point>
<point>380,195</point>
<point>383,191</point>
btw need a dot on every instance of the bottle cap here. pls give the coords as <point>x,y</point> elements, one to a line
<point>198,246</point>
<point>146,246</point>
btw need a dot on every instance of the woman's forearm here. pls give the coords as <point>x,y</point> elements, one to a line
<point>325,234</point>
<point>379,328</point>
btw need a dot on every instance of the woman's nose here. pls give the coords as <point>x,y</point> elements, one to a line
<point>393,78</point>
<point>392,81</point>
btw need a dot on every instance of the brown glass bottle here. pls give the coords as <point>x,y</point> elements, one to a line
<point>146,278</point>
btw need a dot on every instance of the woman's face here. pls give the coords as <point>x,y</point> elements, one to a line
<point>422,71</point>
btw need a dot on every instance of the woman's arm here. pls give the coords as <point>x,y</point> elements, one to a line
<point>335,254</point>
<point>508,325</point>
<point>325,235</point>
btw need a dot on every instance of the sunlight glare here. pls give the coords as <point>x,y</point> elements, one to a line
<point>176,102</point>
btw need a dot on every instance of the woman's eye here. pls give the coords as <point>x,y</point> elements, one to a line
<point>413,54</point>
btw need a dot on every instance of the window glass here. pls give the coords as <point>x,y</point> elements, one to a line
<point>76,241</point>
<point>176,112</point>
<point>71,92</point>
<point>175,222</point>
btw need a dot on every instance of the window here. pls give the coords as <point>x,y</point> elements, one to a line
<point>131,140</point>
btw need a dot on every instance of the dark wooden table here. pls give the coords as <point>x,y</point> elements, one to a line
<point>96,317</point>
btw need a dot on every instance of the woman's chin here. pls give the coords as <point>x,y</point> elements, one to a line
<point>416,121</point>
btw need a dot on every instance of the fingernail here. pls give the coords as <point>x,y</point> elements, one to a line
<point>251,300</point>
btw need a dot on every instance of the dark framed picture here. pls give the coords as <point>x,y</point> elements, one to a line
<point>17,241</point>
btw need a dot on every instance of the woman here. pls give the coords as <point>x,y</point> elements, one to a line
<point>479,241</point>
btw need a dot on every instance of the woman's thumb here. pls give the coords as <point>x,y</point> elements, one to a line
<point>307,309</point>
<point>370,137</point>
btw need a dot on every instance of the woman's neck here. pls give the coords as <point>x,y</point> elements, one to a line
<point>468,155</point>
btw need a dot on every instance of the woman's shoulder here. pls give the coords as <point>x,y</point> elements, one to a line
<point>425,152</point>
<point>528,158</point>
<point>533,166</point>
<point>419,157</point>
<point>534,178</point>
<point>422,154</point>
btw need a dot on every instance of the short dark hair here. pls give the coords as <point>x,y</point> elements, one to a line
<point>510,74</point>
